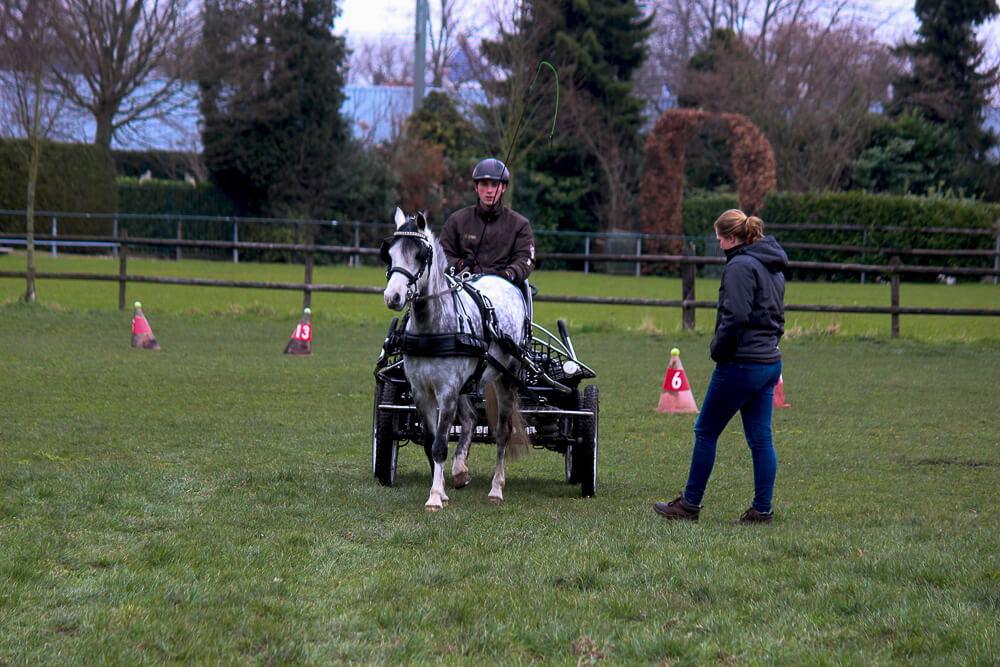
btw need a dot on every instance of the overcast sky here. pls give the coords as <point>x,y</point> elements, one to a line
<point>364,20</point>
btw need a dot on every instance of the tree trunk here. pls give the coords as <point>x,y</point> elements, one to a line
<point>33,161</point>
<point>102,137</point>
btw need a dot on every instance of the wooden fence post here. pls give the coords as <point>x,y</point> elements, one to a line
<point>895,263</point>
<point>996,249</point>
<point>180,236</point>
<point>122,266</point>
<point>687,288</point>
<point>307,293</point>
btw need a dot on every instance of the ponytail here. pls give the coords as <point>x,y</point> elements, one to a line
<point>736,224</point>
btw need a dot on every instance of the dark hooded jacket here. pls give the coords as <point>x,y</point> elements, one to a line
<point>751,315</point>
<point>494,242</point>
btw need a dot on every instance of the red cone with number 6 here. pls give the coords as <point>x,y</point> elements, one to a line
<point>779,394</point>
<point>676,395</point>
<point>301,341</point>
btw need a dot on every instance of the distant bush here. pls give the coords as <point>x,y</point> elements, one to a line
<point>75,178</point>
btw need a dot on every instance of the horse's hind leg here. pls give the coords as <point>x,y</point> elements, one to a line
<point>467,417</point>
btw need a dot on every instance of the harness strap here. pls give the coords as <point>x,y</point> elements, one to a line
<point>442,345</point>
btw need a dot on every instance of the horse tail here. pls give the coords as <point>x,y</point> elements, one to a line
<point>519,444</point>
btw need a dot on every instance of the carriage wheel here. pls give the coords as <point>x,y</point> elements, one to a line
<point>379,383</point>
<point>570,472</point>
<point>385,447</point>
<point>586,455</point>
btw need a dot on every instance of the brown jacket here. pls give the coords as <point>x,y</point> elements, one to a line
<point>489,242</point>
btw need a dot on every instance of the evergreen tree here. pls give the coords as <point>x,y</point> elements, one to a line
<point>587,173</point>
<point>271,91</point>
<point>946,83</point>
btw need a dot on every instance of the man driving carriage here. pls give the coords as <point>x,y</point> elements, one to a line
<point>489,237</point>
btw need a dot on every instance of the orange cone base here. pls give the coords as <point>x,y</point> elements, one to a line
<point>146,341</point>
<point>677,402</point>
<point>302,348</point>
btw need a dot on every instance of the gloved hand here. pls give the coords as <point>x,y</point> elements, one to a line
<point>464,264</point>
<point>509,275</point>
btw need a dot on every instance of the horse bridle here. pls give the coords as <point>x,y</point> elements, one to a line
<point>425,256</point>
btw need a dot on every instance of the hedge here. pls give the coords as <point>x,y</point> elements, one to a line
<point>71,177</point>
<point>871,211</point>
<point>155,197</point>
<point>164,165</point>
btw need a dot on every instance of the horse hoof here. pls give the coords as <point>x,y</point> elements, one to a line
<point>444,503</point>
<point>495,500</point>
<point>431,508</point>
<point>461,480</point>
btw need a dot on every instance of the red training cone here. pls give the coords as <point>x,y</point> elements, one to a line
<point>142,335</point>
<point>779,394</point>
<point>676,395</point>
<point>301,341</point>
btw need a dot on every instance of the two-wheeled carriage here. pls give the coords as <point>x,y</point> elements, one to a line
<point>558,413</point>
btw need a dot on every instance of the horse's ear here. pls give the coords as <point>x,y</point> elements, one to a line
<point>421,220</point>
<point>400,219</point>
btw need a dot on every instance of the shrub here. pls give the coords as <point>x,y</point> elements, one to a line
<point>71,178</point>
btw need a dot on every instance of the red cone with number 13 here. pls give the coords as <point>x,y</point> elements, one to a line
<point>301,341</point>
<point>676,395</point>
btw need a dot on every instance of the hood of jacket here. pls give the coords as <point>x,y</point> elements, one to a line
<point>765,250</point>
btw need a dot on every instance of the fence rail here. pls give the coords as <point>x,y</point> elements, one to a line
<point>687,261</point>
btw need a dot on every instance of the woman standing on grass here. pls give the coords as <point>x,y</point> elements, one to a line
<point>749,323</point>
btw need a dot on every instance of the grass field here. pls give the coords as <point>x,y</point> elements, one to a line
<point>212,502</point>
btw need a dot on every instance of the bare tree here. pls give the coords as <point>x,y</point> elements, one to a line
<point>618,164</point>
<point>127,60</point>
<point>27,43</point>
<point>383,62</point>
<point>443,42</point>
<point>810,96</point>
<point>683,27</point>
<point>390,61</point>
<point>519,95</point>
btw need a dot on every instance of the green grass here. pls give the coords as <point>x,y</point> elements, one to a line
<point>213,501</point>
<point>87,295</point>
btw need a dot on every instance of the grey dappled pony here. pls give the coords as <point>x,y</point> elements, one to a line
<point>441,305</point>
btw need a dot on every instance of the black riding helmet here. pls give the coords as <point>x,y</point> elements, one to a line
<point>491,169</point>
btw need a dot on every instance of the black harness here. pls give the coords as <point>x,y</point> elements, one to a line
<point>463,343</point>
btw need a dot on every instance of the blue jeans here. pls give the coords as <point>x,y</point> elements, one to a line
<point>749,390</point>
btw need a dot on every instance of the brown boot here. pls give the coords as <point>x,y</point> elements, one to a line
<point>753,516</point>
<point>678,508</point>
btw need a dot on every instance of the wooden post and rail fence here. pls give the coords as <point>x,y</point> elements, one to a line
<point>687,261</point>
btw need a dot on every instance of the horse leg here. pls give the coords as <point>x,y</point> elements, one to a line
<point>505,407</point>
<point>460,476</point>
<point>443,414</point>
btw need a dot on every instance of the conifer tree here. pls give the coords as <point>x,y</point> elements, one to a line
<point>587,172</point>
<point>947,82</point>
<point>271,90</point>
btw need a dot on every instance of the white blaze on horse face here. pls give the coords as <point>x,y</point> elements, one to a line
<point>395,289</point>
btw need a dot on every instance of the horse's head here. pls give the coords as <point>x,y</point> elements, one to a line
<point>409,253</point>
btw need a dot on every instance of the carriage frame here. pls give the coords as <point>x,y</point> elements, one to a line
<point>560,415</point>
